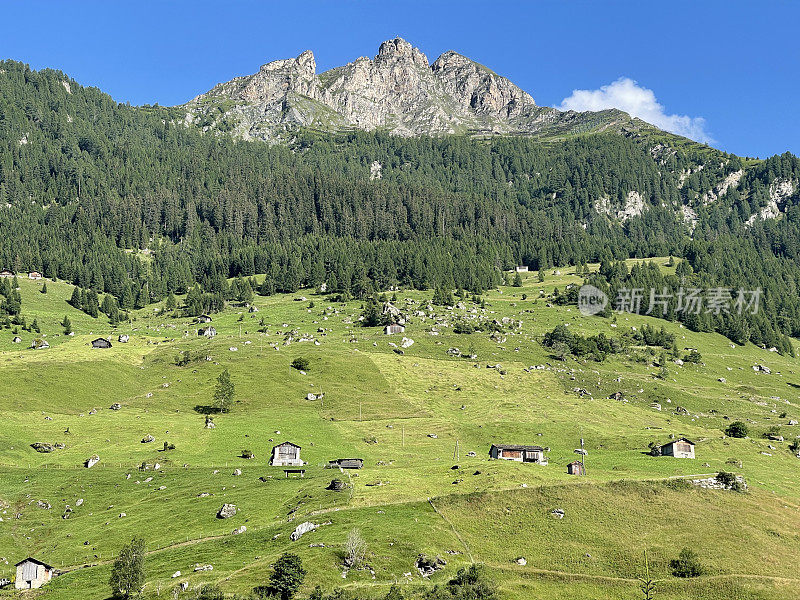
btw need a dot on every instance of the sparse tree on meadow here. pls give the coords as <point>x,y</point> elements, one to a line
<point>224,392</point>
<point>67,325</point>
<point>355,549</point>
<point>287,576</point>
<point>127,575</point>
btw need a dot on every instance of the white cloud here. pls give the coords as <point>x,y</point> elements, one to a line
<point>625,94</point>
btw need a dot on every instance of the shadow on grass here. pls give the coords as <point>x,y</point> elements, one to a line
<point>206,410</point>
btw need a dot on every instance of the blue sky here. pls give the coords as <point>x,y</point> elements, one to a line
<point>723,71</point>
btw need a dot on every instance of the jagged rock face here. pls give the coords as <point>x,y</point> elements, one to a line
<point>397,90</point>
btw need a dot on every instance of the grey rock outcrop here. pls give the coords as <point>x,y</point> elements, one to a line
<point>398,90</point>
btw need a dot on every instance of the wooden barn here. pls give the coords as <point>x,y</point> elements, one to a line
<point>32,574</point>
<point>101,343</point>
<point>521,269</point>
<point>347,463</point>
<point>286,454</point>
<point>680,448</point>
<point>6,274</point>
<point>576,468</point>
<point>394,328</point>
<point>35,275</point>
<point>204,319</point>
<point>532,454</point>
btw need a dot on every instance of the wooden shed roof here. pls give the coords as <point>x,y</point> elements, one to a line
<point>34,560</point>
<point>518,447</point>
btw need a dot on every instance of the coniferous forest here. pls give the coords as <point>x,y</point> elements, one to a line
<point>133,203</point>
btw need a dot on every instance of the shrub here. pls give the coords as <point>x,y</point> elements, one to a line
<point>301,364</point>
<point>686,565</point>
<point>355,549</point>
<point>247,454</point>
<point>469,583</point>
<point>737,429</point>
<point>287,576</point>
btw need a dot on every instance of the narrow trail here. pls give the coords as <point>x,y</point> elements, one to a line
<point>453,529</point>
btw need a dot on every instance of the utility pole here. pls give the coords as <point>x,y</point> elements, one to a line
<point>404,436</point>
<point>456,453</point>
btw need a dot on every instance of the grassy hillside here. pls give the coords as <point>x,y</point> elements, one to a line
<point>404,414</point>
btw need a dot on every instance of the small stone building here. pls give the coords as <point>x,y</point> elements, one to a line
<point>576,468</point>
<point>680,448</point>
<point>533,454</point>
<point>32,574</point>
<point>208,332</point>
<point>39,344</point>
<point>101,343</point>
<point>286,454</point>
<point>394,328</point>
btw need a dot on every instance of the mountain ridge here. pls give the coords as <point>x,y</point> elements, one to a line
<point>399,91</point>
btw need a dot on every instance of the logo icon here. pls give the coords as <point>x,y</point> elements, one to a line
<point>591,300</point>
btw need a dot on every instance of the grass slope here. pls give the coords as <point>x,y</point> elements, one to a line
<point>404,414</point>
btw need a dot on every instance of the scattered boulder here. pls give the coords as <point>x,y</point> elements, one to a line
<point>91,461</point>
<point>210,423</point>
<point>557,513</point>
<point>237,472</point>
<point>116,406</point>
<point>428,566</point>
<point>43,447</point>
<point>199,567</point>
<point>302,529</point>
<point>337,485</point>
<point>148,438</point>
<point>227,511</point>
<point>521,561</point>
<point>239,530</point>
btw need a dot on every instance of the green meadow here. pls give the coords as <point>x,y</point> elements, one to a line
<point>423,421</point>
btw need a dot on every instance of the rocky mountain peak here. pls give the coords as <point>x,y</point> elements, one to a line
<point>400,50</point>
<point>399,90</point>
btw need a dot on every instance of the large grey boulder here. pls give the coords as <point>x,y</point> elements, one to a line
<point>227,511</point>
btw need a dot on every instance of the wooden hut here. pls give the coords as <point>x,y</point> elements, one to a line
<point>576,468</point>
<point>32,574</point>
<point>286,454</point>
<point>534,454</point>
<point>680,448</point>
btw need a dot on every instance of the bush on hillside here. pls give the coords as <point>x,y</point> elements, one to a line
<point>687,564</point>
<point>737,429</point>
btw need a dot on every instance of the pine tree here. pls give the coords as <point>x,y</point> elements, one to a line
<point>67,325</point>
<point>44,287</point>
<point>75,299</point>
